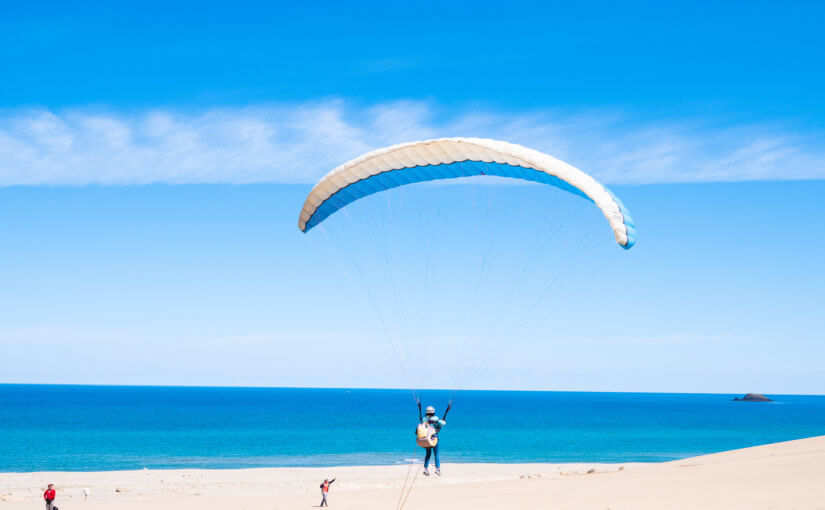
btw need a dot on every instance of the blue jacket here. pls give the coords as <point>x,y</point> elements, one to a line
<point>435,422</point>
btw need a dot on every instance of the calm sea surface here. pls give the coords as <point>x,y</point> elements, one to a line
<point>83,428</point>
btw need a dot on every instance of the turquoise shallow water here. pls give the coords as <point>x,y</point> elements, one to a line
<point>85,428</point>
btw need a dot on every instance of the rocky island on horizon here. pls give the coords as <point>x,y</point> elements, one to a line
<point>753,397</point>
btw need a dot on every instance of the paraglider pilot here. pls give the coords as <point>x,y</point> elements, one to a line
<point>433,421</point>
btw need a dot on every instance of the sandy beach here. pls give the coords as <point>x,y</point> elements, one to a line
<point>777,476</point>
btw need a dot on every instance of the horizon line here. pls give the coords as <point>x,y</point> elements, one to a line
<point>98,385</point>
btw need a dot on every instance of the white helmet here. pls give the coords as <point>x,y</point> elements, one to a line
<point>430,410</point>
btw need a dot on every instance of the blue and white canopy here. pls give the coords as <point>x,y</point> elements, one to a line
<point>450,158</point>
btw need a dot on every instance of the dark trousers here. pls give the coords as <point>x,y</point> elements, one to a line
<point>324,501</point>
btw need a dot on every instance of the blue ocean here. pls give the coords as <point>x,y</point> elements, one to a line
<point>85,428</point>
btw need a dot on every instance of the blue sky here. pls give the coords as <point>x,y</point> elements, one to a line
<point>153,160</point>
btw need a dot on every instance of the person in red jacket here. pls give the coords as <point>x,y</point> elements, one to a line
<point>325,491</point>
<point>49,497</point>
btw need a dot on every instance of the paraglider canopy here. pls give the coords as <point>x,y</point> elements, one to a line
<point>459,271</point>
<point>449,158</point>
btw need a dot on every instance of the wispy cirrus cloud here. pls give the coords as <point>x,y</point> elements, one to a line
<point>300,142</point>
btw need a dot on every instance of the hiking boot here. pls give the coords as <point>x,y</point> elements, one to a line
<point>426,473</point>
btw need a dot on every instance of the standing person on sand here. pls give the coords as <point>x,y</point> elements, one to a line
<point>436,423</point>
<point>325,491</point>
<point>49,496</point>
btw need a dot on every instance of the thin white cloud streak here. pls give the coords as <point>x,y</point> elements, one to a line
<point>300,143</point>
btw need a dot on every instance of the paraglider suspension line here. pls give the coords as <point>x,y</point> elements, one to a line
<point>402,498</point>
